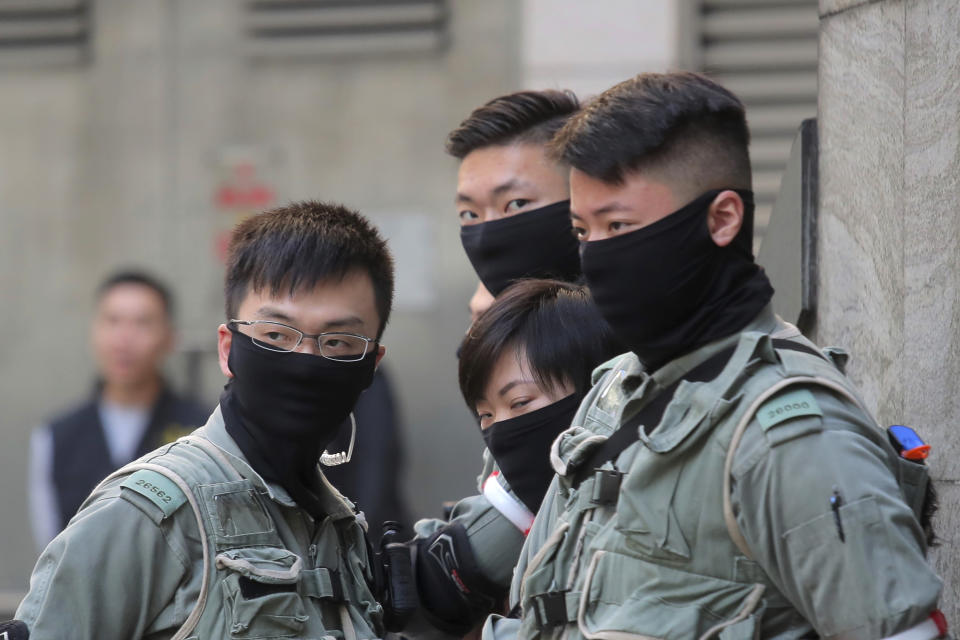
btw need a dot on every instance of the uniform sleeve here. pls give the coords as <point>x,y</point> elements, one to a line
<point>107,576</point>
<point>42,497</point>
<point>858,570</point>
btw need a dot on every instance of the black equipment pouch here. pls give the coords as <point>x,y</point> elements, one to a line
<point>398,589</point>
<point>14,630</point>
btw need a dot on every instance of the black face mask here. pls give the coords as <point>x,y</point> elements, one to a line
<point>533,244</point>
<point>282,409</point>
<point>521,447</point>
<point>667,288</point>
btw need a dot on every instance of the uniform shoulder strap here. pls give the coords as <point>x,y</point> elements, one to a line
<point>191,622</point>
<point>728,516</point>
<point>651,413</point>
<point>210,449</point>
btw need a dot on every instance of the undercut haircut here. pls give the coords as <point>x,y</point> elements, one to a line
<point>555,324</point>
<point>138,278</point>
<point>298,246</point>
<point>524,117</point>
<point>681,127</point>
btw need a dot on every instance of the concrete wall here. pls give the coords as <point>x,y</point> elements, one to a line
<point>570,44</point>
<point>889,246</point>
<point>116,163</point>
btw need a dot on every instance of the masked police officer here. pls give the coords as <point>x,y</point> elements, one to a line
<point>233,531</point>
<point>505,171</point>
<point>722,479</point>
<point>512,202</point>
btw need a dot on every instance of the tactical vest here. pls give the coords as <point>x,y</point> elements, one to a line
<point>253,586</point>
<point>81,457</point>
<point>660,560</point>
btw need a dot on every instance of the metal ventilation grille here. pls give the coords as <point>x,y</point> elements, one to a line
<point>43,32</point>
<point>765,51</point>
<point>338,28</point>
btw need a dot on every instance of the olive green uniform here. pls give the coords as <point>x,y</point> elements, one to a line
<point>192,522</point>
<point>660,559</point>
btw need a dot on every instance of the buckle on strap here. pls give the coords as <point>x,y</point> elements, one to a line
<point>606,486</point>
<point>550,608</point>
<point>322,584</point>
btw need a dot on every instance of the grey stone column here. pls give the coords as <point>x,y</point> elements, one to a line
<point>889,246</point>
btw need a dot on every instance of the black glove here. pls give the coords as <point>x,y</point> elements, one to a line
<point>454,594</point>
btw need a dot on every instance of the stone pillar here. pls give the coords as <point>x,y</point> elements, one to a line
<point>889,243</point>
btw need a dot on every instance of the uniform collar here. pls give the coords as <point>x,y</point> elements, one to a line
<point>334,503</point>
<point>623,387</point>
<point>765,322</point>
<point>637,383</point>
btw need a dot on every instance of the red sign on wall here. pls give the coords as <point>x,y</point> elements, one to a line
<point>243,191</point>
<point>240,192</point>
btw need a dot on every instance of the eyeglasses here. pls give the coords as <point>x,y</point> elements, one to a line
<point>276,336</point>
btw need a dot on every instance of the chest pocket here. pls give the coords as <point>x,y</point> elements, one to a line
<point>627,598</point>
<point>260,581</point>
<point>260,592</point>
<point>237,515</point>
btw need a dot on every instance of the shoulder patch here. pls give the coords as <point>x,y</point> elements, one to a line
<point>157,488</point>
<point>788,405</point>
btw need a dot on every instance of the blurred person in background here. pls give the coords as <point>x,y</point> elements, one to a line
<point>512,202</point>
<point>131,411</point>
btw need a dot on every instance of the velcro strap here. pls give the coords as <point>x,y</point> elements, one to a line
<point>555,608</point>
<point>322,584</point>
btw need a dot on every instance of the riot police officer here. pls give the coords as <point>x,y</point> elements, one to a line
<point>723,479</point>
<point>512,202</point>
<point>233,531</point>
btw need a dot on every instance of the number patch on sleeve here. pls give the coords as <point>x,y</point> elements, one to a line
<point>157,488</point>
<point>785,406</point>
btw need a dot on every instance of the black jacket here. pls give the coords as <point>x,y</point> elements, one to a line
<point>81,457</point>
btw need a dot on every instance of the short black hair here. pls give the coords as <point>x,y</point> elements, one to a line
<point>554,323</point>
<point>140,278</point>
<point>301,244</point>
<point>524,116</point>
<point>683,124</point>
